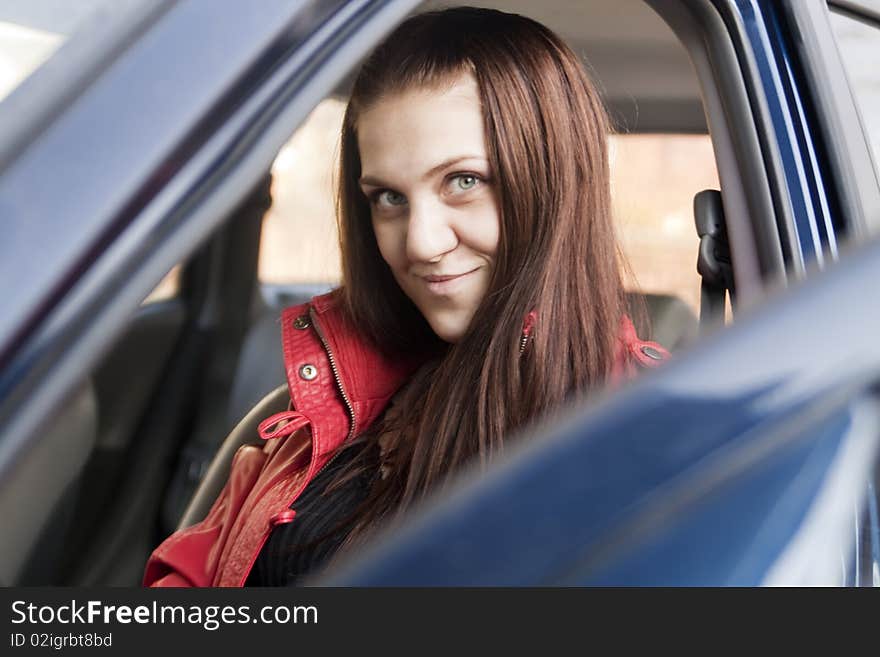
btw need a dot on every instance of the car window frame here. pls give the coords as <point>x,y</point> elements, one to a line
<point>65,333</point>
<point>837,116</point>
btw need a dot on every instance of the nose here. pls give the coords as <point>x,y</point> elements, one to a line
<point>430,233</point>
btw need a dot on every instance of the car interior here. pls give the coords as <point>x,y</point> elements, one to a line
<point>139,434</point>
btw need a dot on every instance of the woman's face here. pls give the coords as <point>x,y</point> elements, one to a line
<point>426,174</point>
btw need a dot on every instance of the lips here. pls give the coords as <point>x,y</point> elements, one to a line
<point>441,279</point>
<point>445,284</point>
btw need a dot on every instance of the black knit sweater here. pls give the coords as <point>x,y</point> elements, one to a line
<point>322,522</point>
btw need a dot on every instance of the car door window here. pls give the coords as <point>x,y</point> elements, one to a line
<point>654,180</point>
<point>656,172</point>
<point>168,287</point>
<point>32,31</point>
<point>303,211</point>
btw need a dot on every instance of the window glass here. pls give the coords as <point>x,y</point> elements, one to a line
<point>859,45</point>
<point>31,31</point>
<point>299,243</point>
<point>654,180</point>
<point>168,287</point>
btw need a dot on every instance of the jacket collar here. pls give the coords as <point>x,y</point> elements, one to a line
<point>337,378</point>
<point>340,382</point>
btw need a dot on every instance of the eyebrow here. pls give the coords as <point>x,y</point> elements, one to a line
<point>375,182</point>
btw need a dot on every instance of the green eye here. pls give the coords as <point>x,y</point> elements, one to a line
<point>466,182</point>
<point>391,198</point>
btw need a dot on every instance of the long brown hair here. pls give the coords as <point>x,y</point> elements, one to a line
<point>546,134</point>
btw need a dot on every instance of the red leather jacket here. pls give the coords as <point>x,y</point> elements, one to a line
<point>339,385</point>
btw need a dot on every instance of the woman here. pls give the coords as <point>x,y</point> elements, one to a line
<point>481,291</point>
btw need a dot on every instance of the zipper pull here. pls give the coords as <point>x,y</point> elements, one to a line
<point>528,325</point>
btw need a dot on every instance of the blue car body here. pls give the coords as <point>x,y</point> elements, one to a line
<point>750,459</point>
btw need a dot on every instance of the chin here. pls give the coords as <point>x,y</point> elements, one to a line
<point>447,335</point>
<point>446,330</point>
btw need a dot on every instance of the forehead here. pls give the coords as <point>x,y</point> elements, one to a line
<point>413,130</point>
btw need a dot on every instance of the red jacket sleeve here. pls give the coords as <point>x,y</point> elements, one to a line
<point>189,557</point>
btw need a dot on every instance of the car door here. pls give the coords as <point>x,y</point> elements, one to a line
<point>714,457</point>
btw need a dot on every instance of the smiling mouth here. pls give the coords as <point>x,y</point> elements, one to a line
<point>445,284</point>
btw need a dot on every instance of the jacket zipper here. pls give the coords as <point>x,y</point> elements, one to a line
<point>336,376</point>
<point>348,404</point>
<point>349,408</point>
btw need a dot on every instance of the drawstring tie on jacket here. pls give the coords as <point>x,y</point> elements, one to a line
<point>282,424</point>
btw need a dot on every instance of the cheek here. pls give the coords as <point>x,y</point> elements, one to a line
<point>388,240</point>
<point>485,230</point>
